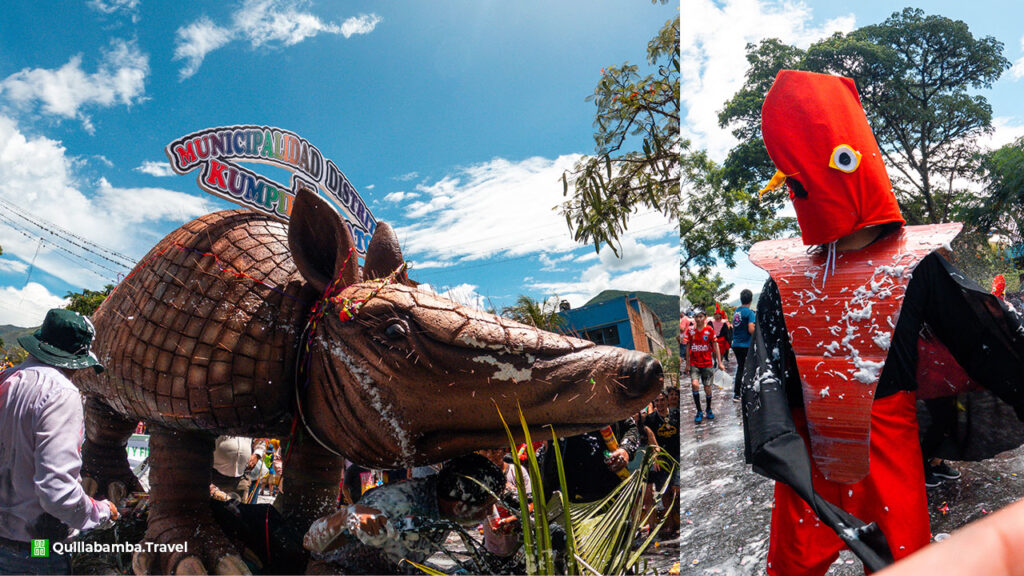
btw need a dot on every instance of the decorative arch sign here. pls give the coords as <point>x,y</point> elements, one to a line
<point>218,151</point>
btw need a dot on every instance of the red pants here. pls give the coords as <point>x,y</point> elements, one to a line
<point>892,495</point>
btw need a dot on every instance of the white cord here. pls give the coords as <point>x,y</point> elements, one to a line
<point>830,258</point>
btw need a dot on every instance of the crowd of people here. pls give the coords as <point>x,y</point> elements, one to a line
<point>704,347</point>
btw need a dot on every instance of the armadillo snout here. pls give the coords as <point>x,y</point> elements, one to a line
<point>639,373</point>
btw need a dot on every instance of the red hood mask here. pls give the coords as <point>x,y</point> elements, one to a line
<point>818,137</point>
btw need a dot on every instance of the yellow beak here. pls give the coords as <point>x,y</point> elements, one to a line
<point>774,184</point>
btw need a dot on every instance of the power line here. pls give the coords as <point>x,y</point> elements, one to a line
<point>78,257</point>
<point>64,233</point>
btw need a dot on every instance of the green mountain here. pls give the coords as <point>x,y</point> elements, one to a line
<point>10,334</point>
<point>666,307</point>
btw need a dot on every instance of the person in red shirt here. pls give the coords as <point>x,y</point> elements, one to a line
<point>723,332</point>
<point>685,327</point>
<point>703,348</point>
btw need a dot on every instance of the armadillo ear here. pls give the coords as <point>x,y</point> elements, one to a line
<point>320,242</point>
<point>384,255</point>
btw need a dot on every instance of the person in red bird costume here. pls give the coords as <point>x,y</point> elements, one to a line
<point>855,313</point>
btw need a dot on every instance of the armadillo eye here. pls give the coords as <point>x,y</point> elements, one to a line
<point>395,331</point>
<point>844,158</point>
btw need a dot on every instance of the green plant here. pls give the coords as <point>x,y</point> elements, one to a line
<point>605,530</point>
<point>599,535</point>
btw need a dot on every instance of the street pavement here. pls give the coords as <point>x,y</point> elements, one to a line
<point>726,508</point>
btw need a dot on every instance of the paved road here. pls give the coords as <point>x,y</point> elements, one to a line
<point>726,508</point>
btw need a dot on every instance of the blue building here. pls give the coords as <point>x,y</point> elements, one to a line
<point>624,321</point>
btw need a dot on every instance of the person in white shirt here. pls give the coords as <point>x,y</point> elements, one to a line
<point>41,432</point>
<point>233,458</point>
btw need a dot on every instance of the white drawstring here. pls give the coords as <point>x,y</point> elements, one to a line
<point>830,258</point>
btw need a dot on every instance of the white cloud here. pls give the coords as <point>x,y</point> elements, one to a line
<point>425,264</point>
<point>370,186</point>
<point>362,24</point>
<point>714,36</point>
<point>744,275</point>
<point>159,169</point>
<point>37,176</point>
<point>1005,130</point>
<point>437,202</point>
<point>1018,66</point>
<point>193,42</point>
<point>275,21</point>
<point>64,92</point>
<point>400,196</point>
<point>501,207</point>
<point>15,266</point>
<point>26,307</point>
<point>650,268</point>
<point>136,205</point>
<point>549,264</point>
<point>129,7</point>
<point>465,294</point>
<point>261,23</point>
<point>407,176</point>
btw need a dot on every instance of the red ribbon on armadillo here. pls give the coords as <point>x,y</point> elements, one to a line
<point>840,326</point>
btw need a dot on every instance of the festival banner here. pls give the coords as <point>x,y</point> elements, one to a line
<point>219,151</point>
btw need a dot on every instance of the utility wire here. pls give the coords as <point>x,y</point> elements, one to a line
<point>58,232</point>
<point>78,257</point>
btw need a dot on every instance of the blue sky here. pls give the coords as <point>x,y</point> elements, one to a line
<point>713,64</point>
<point>453,120</point>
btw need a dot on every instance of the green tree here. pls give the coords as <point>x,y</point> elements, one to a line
<point>999,208</point>
<point>543,315</point>
<point>992,243</point>
<point>721,211</point>
<point>716,219</point>
<point>703,290</point>
<point>748,167</point>
<point>981,256</point>
<point>87,301</point>
<point>638,146</point>
<point>915,74</point>
<point>669,359</point>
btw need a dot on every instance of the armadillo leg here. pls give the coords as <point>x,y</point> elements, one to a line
<point>310,481</point>
<point>310,487</point>
<point>105,469</point>
<point>179,512</point>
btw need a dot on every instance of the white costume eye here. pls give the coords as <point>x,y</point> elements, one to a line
<point>844,159</point>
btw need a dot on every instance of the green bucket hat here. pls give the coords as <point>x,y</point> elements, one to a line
<point>64,341</point>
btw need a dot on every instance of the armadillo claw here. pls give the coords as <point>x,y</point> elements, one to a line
<point>142,563</point>
<point>90,486</point>
<point>232,564</point>
<point>190,566</point>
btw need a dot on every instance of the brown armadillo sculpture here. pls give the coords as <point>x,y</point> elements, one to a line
<point>206,336</point>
